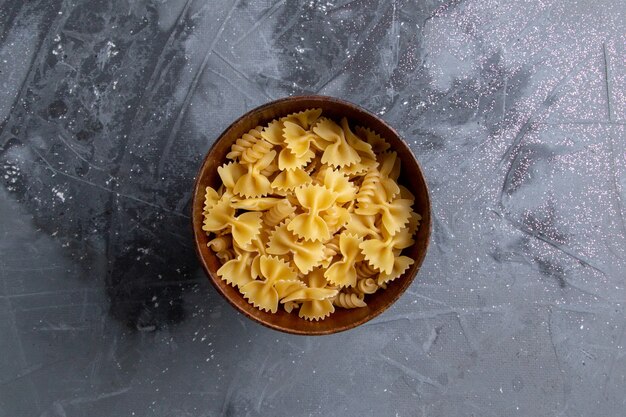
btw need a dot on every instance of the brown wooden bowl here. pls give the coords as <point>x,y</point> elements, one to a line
<point>411,177</point>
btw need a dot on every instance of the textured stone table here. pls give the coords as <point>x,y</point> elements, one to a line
<point>516,109</point>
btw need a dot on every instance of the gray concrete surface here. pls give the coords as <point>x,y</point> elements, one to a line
<point>516,110</point>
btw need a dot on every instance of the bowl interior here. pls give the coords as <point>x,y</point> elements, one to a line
<point>411,177</point>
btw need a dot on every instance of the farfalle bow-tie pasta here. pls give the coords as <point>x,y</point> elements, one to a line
<point>310,216</point>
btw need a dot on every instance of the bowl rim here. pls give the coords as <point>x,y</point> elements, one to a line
<point>198,193</point>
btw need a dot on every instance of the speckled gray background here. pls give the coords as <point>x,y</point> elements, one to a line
<point>516,109</point>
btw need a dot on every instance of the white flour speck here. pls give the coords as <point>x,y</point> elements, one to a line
<point>60,194</point>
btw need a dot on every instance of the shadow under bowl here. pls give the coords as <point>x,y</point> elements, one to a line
<point>411,177</point>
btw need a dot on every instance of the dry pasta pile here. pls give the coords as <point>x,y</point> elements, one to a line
<point>310,215</point>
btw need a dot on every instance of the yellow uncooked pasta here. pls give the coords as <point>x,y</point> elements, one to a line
<point>225,255</point>
<point>278,213</point>
<point>309,216</point>
<point>348,300</point>
<point>244,142</point>
<point>367,286</point>
<point>220,243</point>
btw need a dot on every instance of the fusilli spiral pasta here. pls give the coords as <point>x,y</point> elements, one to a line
<point>220,243</point>
<point>246,141</point>
<point>365,270</point>
<point>333,245</point>
<point>369,186</point>
<point>289,306</point>
<point>278,213</point>
<point>258,150</point>
<point>270,170</point>
<point>344,300</point>
<point>225,255</point>
<point>367,286</point>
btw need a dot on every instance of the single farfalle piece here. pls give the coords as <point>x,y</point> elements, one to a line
<point>290,179</point>
<point>230,173</point>
<point>238,271</point>
<point>389,171</point>
<point>338,183</point>
<point>310,225</point>
<point>338,153</point>
<point>400,265</point>
<point>246,141</point>
<point>343,272</point>
<point>304,119</point>
<point>243,227</point>
<point>378,144</point>
<point>306,254</point>
<point>380,252</point>
<point>394,214</point>
<point>253,183</point>
<point>315,300</point>
<point>262,293</point>
<point>297,139</point>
